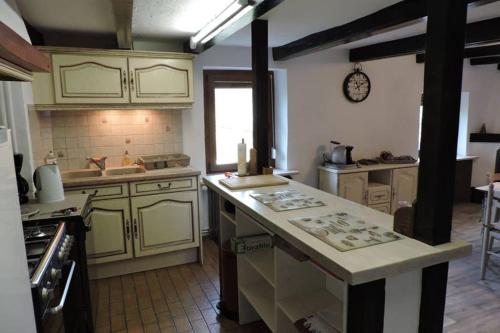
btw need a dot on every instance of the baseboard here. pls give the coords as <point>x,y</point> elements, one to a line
<point>122,267</point>
<point>476,196</point>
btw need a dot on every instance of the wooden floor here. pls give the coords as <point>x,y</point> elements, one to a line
<point>472,305</point>
<point>183,298</point>
<point>177,299</point>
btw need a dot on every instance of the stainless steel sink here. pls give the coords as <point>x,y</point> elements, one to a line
<point>86,173</point>
<point>124,171</point>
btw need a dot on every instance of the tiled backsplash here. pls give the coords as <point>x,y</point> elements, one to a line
<point>76,135</point>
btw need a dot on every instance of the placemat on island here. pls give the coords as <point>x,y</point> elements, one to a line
<point>285,200</point>
<point>344,231</point>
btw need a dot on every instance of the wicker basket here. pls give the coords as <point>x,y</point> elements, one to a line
<point>152,162</point>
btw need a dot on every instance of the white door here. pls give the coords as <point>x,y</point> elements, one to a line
<point>165,222</point>
<point>90,79</point>
<point>404,186</point>
<point>161,80</point>
<point>354,187</point>
<point>110,238</point>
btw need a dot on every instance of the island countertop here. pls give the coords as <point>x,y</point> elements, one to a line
<point>355,266</point>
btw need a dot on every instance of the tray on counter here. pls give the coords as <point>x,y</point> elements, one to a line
<point>285,200</point>
<point>344,231</point>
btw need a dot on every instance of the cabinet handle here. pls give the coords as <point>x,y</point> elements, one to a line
<point>124,80</point>
<point>127,224</point>
<point>131,80</point>
<point>366,197</point>
<point>164,188</point>
<point>135,228</point>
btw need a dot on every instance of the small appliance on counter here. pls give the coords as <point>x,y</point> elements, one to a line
<point>339,157</point>
<point>48,183</point>
<point>22,185</point>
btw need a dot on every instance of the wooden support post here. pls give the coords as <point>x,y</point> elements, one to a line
<point>365,308</point>
<point>261,112</point>
<point>441,108</point>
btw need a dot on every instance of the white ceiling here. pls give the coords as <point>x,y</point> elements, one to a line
<point>93,16</point>
<point>171,20</point>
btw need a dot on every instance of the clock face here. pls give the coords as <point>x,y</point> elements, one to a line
<point>357,86</point>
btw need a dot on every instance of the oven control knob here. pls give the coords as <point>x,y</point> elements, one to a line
<point>47,294</point>
<point>55,274</point>
<point>61,254</point>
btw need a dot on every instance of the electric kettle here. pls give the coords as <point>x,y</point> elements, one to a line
<point>48,183</point>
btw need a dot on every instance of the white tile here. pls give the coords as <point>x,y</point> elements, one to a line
<point>46,133</point>
<point>71,143</point>
<point>59,143</point>
<point>73,153</point>
<point>58,132</point>
<point>70,120</point>
<point>82,131</point>
<point>84,142</point>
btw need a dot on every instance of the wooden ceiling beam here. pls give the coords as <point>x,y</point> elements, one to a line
<point>470,52</point>
<point>389,18</point>
<point>484,61</point>
<point>16,50</point>
<point>252,15</point>
<point>481,32</point>
<point>122,10</point>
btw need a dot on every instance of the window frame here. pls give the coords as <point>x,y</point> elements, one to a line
<point>213,79</point>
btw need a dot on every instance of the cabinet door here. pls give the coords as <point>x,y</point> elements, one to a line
<point>90,79</point>
<point>165,222</point>
<point>161,80</point>
<point>110,237</point>
<point>404,186</point>
<point>354,187</point>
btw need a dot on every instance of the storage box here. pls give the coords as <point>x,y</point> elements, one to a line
<point>250,244</point>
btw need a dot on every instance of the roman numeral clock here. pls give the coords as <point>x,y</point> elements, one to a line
<point>357,85</point>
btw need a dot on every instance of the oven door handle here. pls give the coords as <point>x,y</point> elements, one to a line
<point>60,306</point>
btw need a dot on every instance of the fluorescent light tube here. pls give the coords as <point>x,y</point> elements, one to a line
<point>220,22</point>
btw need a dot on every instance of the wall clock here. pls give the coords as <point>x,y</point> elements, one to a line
<point>357,85</point>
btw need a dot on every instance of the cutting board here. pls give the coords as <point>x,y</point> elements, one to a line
<point>239,183</point>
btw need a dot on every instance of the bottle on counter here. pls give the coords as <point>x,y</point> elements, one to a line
<point>242,158</point>
<point>126,160</point>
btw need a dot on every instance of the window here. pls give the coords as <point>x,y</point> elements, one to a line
<point>229,116</point>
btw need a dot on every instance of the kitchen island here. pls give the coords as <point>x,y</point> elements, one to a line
<point>378,286</point>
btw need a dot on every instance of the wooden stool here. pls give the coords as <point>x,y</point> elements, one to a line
<point>490,229</point>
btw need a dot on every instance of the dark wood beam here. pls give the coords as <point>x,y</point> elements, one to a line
<point>446,31</point>
<point>470,52</point>
<point>498,67</point>
<point>256,12</point>
<point>389,18</point>
<point>261,112</point>
<point>122,10</point>
<point>487,31</point>
<point>365,307</point>
<point>485,61</point>
<point>16,50</point>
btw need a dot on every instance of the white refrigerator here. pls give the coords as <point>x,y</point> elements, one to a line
<point>16,305</point>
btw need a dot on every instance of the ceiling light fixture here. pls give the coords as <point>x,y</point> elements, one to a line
<point>229,15</point>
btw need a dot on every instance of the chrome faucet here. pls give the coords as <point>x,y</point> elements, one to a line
<point>99,162</point>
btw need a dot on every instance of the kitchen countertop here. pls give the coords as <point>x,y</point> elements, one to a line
<point>148,175</point>
<point>77,200</point>
<point>355,266</point>
<point>382,166</point>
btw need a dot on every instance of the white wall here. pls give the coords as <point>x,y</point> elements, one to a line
<point>318,111</point>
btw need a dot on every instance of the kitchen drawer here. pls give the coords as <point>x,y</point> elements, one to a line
<point>162,186</point>
<point>384,208</point>
<point>103,192</point>
<point>378,193</point>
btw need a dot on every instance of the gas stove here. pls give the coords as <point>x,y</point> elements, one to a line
<point>47,250</point>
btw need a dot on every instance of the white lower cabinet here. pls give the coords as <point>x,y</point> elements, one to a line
<point>404,186</point>
<point>354,187</point>
<point>165,222</point>
<point>110,237</point>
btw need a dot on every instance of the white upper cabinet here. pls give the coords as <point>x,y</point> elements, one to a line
<point>157,80</point>
<point>90,79</point>
<point>82,78</point>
